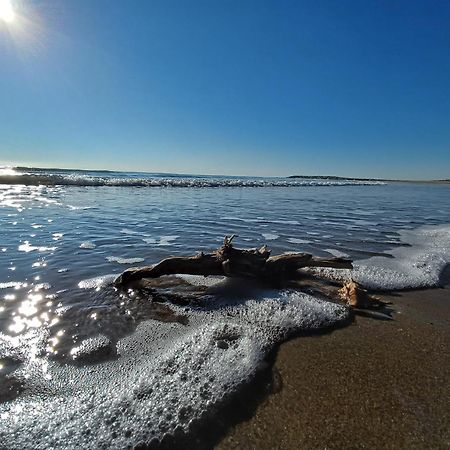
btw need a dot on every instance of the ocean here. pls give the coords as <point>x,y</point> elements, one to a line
<point>84,365</point>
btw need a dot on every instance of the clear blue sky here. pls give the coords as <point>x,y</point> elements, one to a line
<point>358,88</point>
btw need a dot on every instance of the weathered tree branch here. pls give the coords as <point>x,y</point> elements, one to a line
<point>233,262</point>
<point>280,270</point>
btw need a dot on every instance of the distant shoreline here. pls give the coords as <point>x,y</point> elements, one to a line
<point>388,180</point>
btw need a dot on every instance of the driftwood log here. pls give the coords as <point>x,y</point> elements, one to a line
<point>234,262</point>
<point>257,264</point>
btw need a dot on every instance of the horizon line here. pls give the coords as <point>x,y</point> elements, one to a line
<point>12,166</point>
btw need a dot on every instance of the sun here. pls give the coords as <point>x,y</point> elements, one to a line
<point>6,11</point>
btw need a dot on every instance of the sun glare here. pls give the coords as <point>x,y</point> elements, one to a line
<point>6,11</point>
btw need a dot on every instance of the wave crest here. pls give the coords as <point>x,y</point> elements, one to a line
<point>40,179</point>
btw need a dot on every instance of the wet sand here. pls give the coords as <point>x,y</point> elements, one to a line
<point>373,384</point>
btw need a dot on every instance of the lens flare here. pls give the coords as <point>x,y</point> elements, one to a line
<point>7,11</point>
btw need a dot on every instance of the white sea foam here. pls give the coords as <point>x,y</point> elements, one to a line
<point>298,241</point>
<point>27,247</point>
<point>167,240</point>
<point>124,260</point>
<point>208,281</point>
<point>146,393</point>
<point>336,253</point>
<point>128,231</point>
<point>88,245</point>
<point>13,284</point>
<point>241,219</point>
<point>162,241</point>
<point>419,265</point>
<point>78,208</point>
<point>270,236</point>
<point>96,282</point>
<point>286,222</point>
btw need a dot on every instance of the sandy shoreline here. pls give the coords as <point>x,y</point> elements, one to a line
<point>373,384</point>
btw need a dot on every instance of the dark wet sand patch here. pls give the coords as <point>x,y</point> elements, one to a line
<point>374,384</point>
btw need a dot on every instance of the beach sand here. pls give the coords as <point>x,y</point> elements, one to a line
<point>373,384</point>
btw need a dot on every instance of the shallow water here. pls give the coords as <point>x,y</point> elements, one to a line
<point>75,352</point>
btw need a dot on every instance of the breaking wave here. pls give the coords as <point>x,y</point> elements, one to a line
<point>40,177</point>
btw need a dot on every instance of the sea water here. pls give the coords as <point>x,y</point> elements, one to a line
<point>83,365</point>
